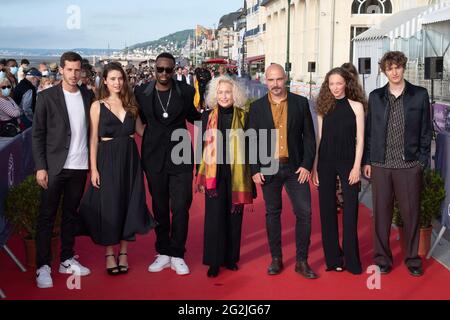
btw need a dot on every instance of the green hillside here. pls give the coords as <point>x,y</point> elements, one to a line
<point>179,37</point>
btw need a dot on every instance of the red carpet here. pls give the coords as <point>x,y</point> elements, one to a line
<point>250,282</point>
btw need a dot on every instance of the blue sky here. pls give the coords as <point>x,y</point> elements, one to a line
<point>43,23</point>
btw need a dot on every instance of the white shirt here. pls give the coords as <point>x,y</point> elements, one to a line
<point>77,159</point>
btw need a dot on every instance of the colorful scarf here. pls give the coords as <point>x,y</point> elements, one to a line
<point>241,181</point>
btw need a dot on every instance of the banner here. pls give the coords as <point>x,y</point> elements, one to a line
<point>16,162</point>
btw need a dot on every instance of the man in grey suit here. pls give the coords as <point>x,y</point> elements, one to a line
<point>60,152</point>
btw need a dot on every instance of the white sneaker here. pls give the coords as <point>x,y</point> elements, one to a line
<point>161,262</point>
<point>43,277</point>
<point>179,266</point>
<point>72,266</point>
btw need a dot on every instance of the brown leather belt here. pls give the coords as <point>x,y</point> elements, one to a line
<point>283,160</point>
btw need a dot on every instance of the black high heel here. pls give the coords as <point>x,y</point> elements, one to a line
<point>113,271</point>
<point>213,272</point>
<point>122,268</point>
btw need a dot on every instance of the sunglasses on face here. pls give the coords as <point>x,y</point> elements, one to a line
<point>6,87</point>
<point>161,70</point>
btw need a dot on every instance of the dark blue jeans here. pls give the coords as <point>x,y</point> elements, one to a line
<point>300,196</point>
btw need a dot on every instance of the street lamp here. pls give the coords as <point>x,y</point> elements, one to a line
<point>288,64</point>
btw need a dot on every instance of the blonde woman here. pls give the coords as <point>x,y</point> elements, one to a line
<point>226,181</point>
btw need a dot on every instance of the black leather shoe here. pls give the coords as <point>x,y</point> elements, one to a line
<point>385,269</point>
<point>232,266</point>
<point>305,270</point>
<point>213,272</point>
<point>415,271</point>
<point>275,267</point>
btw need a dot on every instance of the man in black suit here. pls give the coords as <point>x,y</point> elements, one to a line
<point>292,149</point>
<point>165,105</point>
<point>188,76</point>
<point>397,149</point>
<point>60,152</point>
<point>179,76</point>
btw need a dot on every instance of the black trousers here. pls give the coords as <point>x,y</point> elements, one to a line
<point>222,234</point>
<point>334,255</point>
<point>300,196</point>
<point>404,185</point>
<point>171,192</point>
<point>69,184</point>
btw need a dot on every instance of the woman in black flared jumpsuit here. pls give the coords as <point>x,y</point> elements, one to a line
<point>114,208</point>
<point>340,110</point>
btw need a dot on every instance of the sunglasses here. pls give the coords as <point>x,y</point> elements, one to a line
<point>161,70</point>
<point>6,87</point>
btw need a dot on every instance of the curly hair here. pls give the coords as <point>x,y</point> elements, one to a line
<point>126,94</point>
<point>326,102</point>
<point>239,93</point>
<point>393,57</point>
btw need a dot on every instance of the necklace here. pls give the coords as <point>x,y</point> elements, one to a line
<point>165,114</point>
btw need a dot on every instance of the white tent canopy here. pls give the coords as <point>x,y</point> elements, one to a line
<point>438,22</point>
<point>440,15</point>
<point>403,24</point>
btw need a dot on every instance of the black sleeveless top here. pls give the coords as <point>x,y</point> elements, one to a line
<point>338,142</point>
<point>110,126</point>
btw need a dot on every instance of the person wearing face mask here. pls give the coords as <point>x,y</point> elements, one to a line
<point>43,69</point>
<point>9,111</point>
<point>6,73</point>
<point>25,95</point>
<point>13,69</point>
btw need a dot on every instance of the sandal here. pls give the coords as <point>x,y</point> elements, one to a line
<point>113,270</point>
<point>122,268</point>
